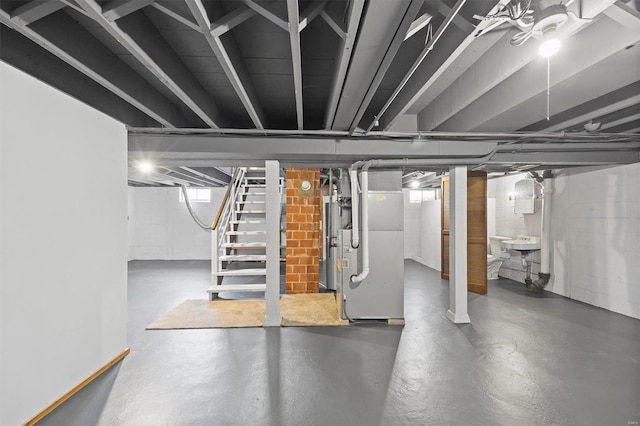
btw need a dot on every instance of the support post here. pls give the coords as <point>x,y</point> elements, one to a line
<point>457,312</point>
<point>272,293</point>
<point>215,252</point>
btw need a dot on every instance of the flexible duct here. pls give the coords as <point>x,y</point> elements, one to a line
<point>200,223</point>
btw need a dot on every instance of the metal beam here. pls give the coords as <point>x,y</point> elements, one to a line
<point>34,10</point>
<point>527,83</point>
<point>269,13</point>
<point>162,54</point>
<point>345,52</point>
<point>234,72</point>
<point>120,8</point>
<point>417,25</point>
<point>311,13</point>
<point>381,34</point>
<point>82,51</point>
<point>190,178</point>
<point>231,20</point>
<point>296,57</point>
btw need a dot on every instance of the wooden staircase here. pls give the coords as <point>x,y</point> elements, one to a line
<point>238,261</point>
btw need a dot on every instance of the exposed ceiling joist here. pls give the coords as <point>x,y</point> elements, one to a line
<point>296,57</point>
<point>194,180</point>
<point>625,97</point>
<point>152,55</point>
<point>120,8</point>
<point>237,75</point>
<point>458,20</point>
<point>418,24</point>
<point>511,92</point>
<point>178,15</point>
<point>34,10</point>
<point>83,52</point>
<point>311,13</point>
<point>219,182</point>
<point>624,14</point>
<point>345,52</point>
<point>231,20</point>
<point>336,24</point>
<point>620,121</point>
<point>428,48</point>
<point>269,13</point>
<point>372,56</point>
<point>453,44</point>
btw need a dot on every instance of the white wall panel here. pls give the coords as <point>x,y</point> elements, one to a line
<point>63,243</point>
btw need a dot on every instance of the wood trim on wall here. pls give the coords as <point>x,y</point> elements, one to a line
<point>76,389</point>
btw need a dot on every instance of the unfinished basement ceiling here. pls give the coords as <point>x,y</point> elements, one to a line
<point>318,72</point>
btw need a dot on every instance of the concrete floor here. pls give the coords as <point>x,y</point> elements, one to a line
<point>527,358</point>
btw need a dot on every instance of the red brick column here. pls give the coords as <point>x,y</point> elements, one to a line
<point>303,230</point>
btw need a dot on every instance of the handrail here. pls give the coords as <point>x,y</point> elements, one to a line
<point>223,204</point>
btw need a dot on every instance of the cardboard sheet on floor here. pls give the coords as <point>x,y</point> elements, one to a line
<point>298,310</point>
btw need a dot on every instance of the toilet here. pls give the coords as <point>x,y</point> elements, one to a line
<point>497,256</point>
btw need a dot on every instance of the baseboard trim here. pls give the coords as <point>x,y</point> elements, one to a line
<point>76,389</point>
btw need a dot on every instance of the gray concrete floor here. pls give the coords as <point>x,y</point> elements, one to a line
<point>527,358</point>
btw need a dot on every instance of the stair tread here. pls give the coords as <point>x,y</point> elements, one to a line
<point>250,202</point>
<point>236,287</point>
<point>252,244</point>
<point>239,272</point>
<point>258,232</point>
<point>243,257</point>
<point>252,211</point>
<point>248,221</point>
<point>255,185</point>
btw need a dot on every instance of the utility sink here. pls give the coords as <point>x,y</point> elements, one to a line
<point>522,243</point>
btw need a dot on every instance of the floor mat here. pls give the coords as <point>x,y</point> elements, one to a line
<point>298,310</point>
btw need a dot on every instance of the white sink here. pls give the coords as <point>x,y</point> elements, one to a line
<point>522,243</point>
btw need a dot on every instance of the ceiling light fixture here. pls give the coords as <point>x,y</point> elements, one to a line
<point>145,167</point>
<point>415,184</point>
<point>549,47</point>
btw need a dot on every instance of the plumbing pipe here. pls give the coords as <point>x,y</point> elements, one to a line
<point>364,176</point>
<point>355,237</point>
<point>545,270</point>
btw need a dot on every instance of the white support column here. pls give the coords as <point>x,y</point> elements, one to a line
<point>272,293</point>
<point>457,312</point>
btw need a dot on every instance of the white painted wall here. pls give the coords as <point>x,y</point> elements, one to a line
<point>595,235</point>
<point>411,227</point>
<point>431,234</point>
<point>63,239</point>
<point>163,228</point>
<point>422,231</point>
<point>595,228</point>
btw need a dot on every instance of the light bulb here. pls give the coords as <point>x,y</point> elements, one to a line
<point>145,166</point>
<point>415,184</point>
<point>549,47</point>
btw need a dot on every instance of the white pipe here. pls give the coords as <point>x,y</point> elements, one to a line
<point>355,237</point>
<point>546,225</point>
<point>364,176</point>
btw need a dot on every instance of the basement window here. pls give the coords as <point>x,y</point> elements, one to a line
<point>420,195</point>
<point>196,195</point>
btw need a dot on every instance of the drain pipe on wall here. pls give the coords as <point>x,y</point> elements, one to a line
<point>545,271</point>
<point>364,177</point>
